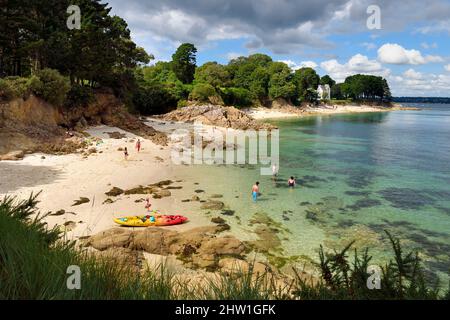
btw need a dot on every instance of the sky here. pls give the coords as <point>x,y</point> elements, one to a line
<point>405,41</point>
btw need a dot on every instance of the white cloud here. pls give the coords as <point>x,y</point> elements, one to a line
<point>447,67</point>
<point>356,64</point>
<point>234,55</point>
<point>308,64</point>
<point>413,83</point>
<point>304,64</point>
<point>393,53</point>
<point>412,74</point>
<point>369,45</point>
<point>441,26</point>
<point>425,45</point>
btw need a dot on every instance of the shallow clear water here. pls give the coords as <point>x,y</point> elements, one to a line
<point>358,175</point>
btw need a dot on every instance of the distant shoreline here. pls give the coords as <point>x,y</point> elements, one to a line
<point>262,113</point>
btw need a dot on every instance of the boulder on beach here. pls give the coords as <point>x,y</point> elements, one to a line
<point>112,238</point>
<point>13,156</point>
<point>81,201</point>
<point>114,192</point>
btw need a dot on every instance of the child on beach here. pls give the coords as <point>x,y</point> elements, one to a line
<point>125,153</point>
<point>148,205</point>
<point>255,191</point>
<point>138,145</point>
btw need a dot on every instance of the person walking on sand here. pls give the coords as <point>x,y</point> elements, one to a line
<point>255,191</point>
<point>125,153</point>
<point>148,205</point>
<point>138,145</point>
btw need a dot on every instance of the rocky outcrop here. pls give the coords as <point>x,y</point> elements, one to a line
<point>13,155</point>
<point>33,125</point>
<point>214,115</point>
<point>199,247</point>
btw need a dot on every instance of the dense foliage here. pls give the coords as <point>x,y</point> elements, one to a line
<point>43,55</point>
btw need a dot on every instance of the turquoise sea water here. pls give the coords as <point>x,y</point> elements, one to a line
<point>358,175</point>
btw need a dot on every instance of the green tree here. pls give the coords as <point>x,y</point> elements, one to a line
<point>212,73</point>
<point>304,79</point>
<point>326,79</point>
<point>184,62</point>
<point>280,84</point>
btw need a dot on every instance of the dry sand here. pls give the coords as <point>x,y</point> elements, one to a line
<point>64,179</point>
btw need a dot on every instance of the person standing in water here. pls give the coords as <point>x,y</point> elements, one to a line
<point>255,191</point>
<point>274,170</point>
<point>292,182</point>
<point>138,145</point>
<point>125,153</point>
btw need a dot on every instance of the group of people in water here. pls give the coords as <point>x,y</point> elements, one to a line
<point>255,189</point>
<point>137,147</point>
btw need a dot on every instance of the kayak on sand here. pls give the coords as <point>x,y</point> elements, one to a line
<point>157,220</point>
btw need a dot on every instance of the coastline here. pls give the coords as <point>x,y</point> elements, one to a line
<point>292,112</point>
<point>73,176</point>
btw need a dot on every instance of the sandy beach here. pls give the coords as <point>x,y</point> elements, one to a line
<point>64,179</point>
<point>266,113</point>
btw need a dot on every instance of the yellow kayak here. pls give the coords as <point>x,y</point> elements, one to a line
<point>150,220</point>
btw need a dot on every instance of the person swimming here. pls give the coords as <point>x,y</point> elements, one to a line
<point>255,191</point>
<point>291,182</point>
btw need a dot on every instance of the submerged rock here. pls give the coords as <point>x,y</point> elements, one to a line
<point>213,205</point>
<point>228,212</point>
<point>218,220</point>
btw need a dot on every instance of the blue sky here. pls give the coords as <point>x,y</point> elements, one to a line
<point>411,48</point>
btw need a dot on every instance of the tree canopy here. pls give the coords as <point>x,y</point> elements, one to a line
<point>184,62</point>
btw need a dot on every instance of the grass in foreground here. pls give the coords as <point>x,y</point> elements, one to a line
<point>34,261</point>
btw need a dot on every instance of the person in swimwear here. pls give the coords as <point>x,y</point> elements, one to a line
<point>255,191</point>
<point>291,182</point>
<point>148,205</point>
<point>125,153</point>
<point>138,145</point>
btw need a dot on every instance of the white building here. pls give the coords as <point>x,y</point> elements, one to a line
<point>324,92</point>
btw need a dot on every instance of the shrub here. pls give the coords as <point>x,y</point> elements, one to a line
<point>181,104</point>
<point>238,97</point>
<point>51,86</point>
<point>14,87</point>
<point>202,92</point>
<point>80,95</point>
